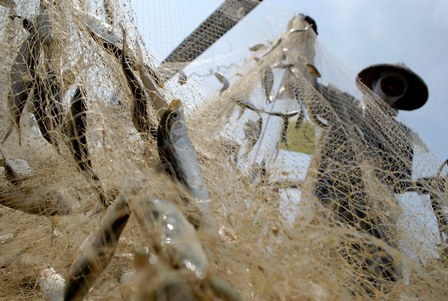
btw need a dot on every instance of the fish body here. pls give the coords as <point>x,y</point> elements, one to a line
<point>97,251</point>
<point>285,130</point>
<point>139,113</point>
<point>76,130</point>
<point>22,75</point>
<point>174,240</point>
<point>223,80</point>
<point>176,150</point>
<point>47,105</point>
<point>51,284</point>
<point>268,82</point>
<point>248,105</point>
<point>76,133</point>
<point>174,237</point>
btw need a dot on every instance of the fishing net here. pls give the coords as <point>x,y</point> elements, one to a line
<point>317,190</point>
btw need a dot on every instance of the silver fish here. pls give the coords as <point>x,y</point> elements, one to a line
<point>267,82</point>
<point>252,131</point>
<point>22,75</point>
<point>76,130</point>
<point>174,238</point>
<point>47,105</point>
<point>97,251</point>
<point>151,81</point>
<point>285,130</point>
<point>223,80</point>
<point>182,78</point>
<point>250,106</point>
<point>139,113</point>
<point>176,151</point>
<point>76,133</point>
<point>257,47</point>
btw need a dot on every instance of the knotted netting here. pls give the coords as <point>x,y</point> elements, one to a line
<point>316,190</point>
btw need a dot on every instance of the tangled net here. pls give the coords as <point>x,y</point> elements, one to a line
<point>308,172</point>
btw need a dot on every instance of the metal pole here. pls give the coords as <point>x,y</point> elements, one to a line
<point>214,27</point>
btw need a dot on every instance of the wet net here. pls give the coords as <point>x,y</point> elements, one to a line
<point>293,180</point>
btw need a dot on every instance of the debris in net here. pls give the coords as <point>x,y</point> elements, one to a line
<point>46,203</point>
<point>52,284</point>
<point>267,82</point>
<point>223,80</point>
<point>16,169</point>
<point>257,47</point>
<point>99,28</point>
<point>177,152</point>
<point>97,251</point>
<point>4,239</point>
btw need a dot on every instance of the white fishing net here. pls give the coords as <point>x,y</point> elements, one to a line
<point>317,192</point>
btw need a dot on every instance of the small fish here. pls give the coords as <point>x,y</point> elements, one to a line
<point>76,129</point>
<point>173,237</point>
<point>22,75</point>
<point>267,82</point>
<point>47,105</point>
<point>139,113</point>
<point>76,133</point>
<point>223,80</point>
<point>257,47</point>
<point>101,32</point>
<point>176,150</point>
<point>250,106</point>
<point>252,131</point>
<point>97,251</point>
<point>285,130</point>
<point>175,241</point>
<point>182,78</point>
<point>151,81</point>
<point>313,70</point>
<point>300,118</point>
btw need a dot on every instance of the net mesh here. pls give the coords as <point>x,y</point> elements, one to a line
<point>318,191</point>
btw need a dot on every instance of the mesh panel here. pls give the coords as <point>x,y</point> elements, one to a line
<point>304,185</point>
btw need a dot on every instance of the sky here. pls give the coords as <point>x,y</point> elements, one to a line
<point>357,33</point>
